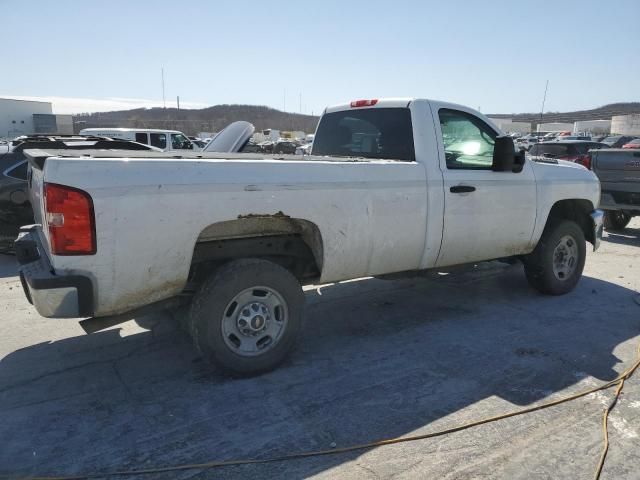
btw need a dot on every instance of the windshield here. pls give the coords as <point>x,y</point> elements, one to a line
<point>384,133</point>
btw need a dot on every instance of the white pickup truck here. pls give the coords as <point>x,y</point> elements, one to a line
<point>392,185</point>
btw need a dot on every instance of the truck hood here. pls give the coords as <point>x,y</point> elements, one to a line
<point>563,168</point>
<point>568,178</point>
<point>231,139</point>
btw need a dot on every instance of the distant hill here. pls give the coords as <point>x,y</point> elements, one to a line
<point>600,113</point>
<point>210,119</point>
<point>214,119</point>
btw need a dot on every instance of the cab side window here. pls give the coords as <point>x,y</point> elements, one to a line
<point>468,141</point>
<point>158,140</point>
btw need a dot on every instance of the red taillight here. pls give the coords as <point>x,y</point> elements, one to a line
<point>364,103</point>
<point>69,217</point>
<point>584,160</point>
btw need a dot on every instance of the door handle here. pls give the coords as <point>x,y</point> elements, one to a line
<point>462,189</point>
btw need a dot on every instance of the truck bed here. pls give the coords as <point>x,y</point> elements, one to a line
<point>154,208</point>
<point>619,173</point>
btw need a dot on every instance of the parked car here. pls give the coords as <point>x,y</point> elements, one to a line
<point>564,138</point>
<point>576,151</point>
<point>251,147</point>
<point>304,149</point>
<point>284,147</point>
<point>619,174</point>
<point>617,141</point>
<point>382,193</point>
<point>527,141</point>
<point>15,205</point>
<point>198,142</point>
<point>635,143</point>
<point>166,140</point>
<point>549,136</point>
<point>266,146</point>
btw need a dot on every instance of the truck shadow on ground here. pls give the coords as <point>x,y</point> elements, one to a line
<point>378,359</point>
<point>8,265</point>
<point>628,236</point>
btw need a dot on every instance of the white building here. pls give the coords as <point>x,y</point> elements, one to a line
<point>596,127</point>
<point>507,125</point>
<point>555,127</point>
<point>16,116</point>
<point>24,117</point>
<point>626,124</point>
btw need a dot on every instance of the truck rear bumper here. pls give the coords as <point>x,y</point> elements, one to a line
<point>623,194</point>
<point>54,296</point>
<point>597,218</point>
<point>629,201</point>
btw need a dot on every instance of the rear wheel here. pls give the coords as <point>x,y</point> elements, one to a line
<point>616,220</point>
<point>556,264</point>
<point>247,316</point>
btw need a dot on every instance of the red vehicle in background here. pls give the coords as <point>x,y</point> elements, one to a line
<point>632,144</point>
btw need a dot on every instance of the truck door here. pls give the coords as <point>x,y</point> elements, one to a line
<point>487,214</point>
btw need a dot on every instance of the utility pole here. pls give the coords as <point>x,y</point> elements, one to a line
<point>544,99</point>
<point>178,101</point>
<point>164,104</point>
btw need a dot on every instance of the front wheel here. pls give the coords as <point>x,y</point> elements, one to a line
<point>556,264</point>
<point>247,316</point>
<point>616,220</point>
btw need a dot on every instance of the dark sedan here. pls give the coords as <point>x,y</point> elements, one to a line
<point>617,141</point>
<point>15,208</point>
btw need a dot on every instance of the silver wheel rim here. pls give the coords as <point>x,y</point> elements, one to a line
<point>254,321</point>
<point>620,216</point>
<point>565,257</point>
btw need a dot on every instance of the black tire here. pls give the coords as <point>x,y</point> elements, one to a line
<point>8,234</point>
<point>539,265</point>
<point>215,296</point>
<point>615,220</point>
<point>181,315</point>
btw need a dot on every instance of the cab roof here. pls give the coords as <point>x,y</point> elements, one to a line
<point>120,129</point>
<point>399,102</point>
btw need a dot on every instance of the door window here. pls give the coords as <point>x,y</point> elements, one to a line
<point>141,137</point>
<point>468,141</point>
<point>180,142</point>
<point>19,171</point>
<point>158,140</point>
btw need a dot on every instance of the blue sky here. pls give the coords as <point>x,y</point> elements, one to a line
<point>495,55</point>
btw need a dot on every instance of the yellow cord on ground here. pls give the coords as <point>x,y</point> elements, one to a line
<point>618,381</point>
<point>605,430</point>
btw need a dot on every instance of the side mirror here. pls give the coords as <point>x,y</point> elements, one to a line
<point>504,155</point>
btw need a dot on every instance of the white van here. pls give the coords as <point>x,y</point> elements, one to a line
<point>167,140</point>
